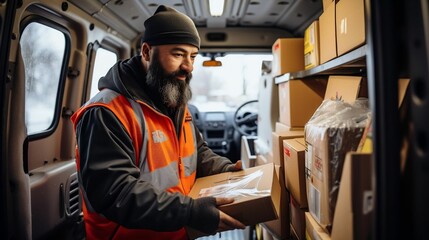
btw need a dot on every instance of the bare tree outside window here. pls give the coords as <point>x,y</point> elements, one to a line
<point>42,50</point>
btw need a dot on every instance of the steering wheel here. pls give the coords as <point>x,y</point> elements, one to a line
<point>246,123</point>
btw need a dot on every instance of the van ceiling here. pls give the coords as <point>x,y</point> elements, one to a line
<point>127,16</point>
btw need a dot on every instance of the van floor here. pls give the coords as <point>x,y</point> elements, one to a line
<point>237,234</point>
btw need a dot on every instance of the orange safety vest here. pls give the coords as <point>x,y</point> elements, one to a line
<point>166,161</point>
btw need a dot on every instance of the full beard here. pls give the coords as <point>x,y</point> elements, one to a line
<point>173,92</point>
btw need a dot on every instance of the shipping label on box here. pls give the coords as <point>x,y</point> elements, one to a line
<point>315,181</point>
<point>311,45</point>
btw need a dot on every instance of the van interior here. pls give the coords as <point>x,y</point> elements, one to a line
<point>263,70</point>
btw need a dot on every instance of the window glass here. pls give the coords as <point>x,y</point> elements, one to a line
<point>42,49</point>
<point>104,60</point>
<point>226,87</point>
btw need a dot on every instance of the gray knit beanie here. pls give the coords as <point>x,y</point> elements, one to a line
<point>169,26</point>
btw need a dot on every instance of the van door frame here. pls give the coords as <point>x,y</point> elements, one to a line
<point>7,13</point>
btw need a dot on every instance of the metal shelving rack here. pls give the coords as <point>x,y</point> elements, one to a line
<point>351,63</point>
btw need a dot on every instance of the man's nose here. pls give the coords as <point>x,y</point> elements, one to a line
<point>187,65</point>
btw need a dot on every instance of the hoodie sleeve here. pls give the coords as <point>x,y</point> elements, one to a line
<point>113,189</point>
<point>209,162</point>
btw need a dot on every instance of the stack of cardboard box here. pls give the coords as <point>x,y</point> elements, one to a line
<point>341,28</point>
<point>279,228</point>
<point>294,168</point>
<point>287,57</point>
<point>338,30</point>
<point>297,100</point>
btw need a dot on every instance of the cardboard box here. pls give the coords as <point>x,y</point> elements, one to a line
<point>281,128</point>
<point>311,45</point>
<point>294,162</point>
<point>326,148</point>
<point>297,218</point>
<point>366,141</point>
<point>402,89</point>
<point>403,95</point>
<point>260,206</point>
<point>346,88</point>
<point>298,99</point>
<point>355,204</point>
<point>350,25</point>
<point>326,3</point>
<point>327,34</point>
<point>278,145</point>
<point>288,56</point>
<point>280,228</point>
<point>312,229</point>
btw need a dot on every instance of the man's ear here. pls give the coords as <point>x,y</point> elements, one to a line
<point>146,51</point>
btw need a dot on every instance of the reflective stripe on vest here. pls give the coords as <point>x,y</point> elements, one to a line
<point>190,162</point>
<point>162,178</point>
<point>140,118</point>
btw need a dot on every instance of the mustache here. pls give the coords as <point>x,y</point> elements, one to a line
<point>181,73</point>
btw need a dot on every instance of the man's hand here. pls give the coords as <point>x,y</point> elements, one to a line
<point>227,222</point>
<point>238,166</point>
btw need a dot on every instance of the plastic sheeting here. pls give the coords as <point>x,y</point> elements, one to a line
<point>335,128</point>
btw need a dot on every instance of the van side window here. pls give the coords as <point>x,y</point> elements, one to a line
<point>104,60</point>
<point>43,52</point>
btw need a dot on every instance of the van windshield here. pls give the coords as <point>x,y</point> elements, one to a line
<point>226,87</point>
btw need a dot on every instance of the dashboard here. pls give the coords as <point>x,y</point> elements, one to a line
<point>218,131</point>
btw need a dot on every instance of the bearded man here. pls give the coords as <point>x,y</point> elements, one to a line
<point>138,151</point>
